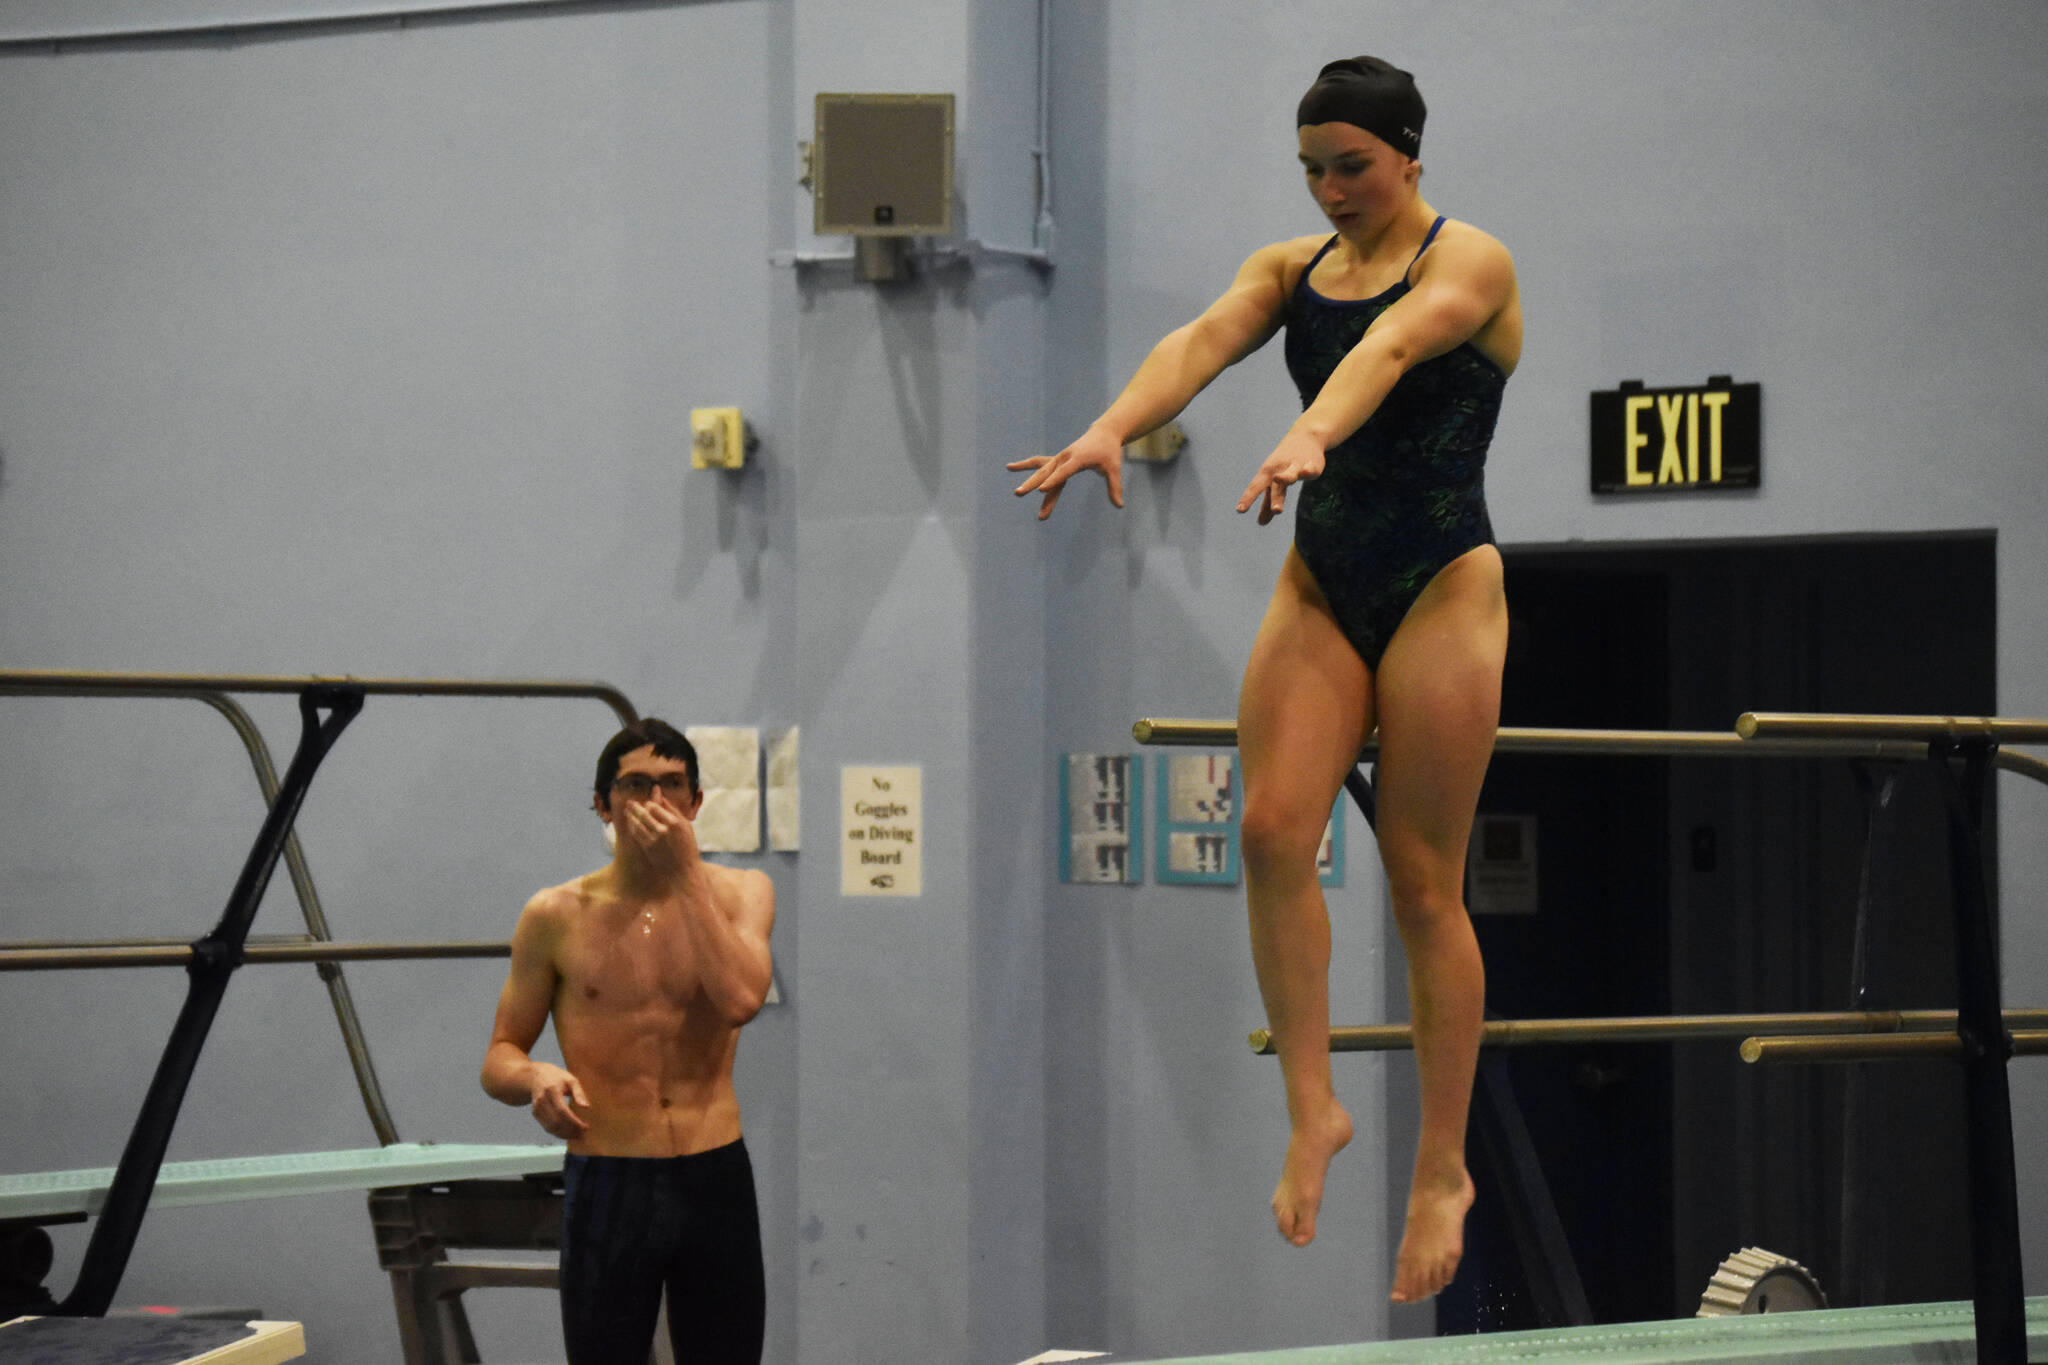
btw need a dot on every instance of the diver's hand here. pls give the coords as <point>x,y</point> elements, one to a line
<point>1097,449</point>
<point>1297,459</point>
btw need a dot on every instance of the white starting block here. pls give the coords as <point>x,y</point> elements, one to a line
<point>145,1341</point>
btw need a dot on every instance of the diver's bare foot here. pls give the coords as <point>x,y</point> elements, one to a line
<point>1300,1192</point>
<point>1434,1239</point>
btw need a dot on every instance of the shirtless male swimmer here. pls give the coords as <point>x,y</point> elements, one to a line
<point>649,966</point>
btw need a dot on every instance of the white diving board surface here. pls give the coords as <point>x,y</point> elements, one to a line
<point>46,1193</point>
<point>138,1341</point>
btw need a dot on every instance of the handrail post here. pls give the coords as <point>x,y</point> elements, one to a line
<point>1361,789</point>
<point>1965,767</point>
<point>1861,1245</point>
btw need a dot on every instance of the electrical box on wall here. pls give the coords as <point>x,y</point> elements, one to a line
<point>718,438</point>
<point>883,165</point>
<point>1162,446</point>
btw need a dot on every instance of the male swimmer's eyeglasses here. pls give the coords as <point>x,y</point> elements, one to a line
<point>640,786</point>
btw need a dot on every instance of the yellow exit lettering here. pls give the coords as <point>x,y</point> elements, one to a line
<point>1670,408</point>
<point>1713,403</point>
<point>1676,413</point>
<point>1633,407</point>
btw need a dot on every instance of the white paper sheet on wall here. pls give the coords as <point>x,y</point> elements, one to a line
<point>729,771</point>
<point>784,827</point>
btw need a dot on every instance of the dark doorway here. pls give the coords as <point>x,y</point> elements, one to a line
<point>1701,886</point>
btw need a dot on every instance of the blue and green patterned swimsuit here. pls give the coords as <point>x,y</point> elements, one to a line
<point>1405,494</point>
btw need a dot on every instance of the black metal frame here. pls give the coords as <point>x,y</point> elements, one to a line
<point>1965,768</point>
<point>215,958</point>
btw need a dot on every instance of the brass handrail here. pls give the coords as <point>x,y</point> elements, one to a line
<point>1774,739</point>
<point>1816,725</point>
<point>1661,1028</point>
<point>2025,1043</point>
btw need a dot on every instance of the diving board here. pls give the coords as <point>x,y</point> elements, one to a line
<point>58,1193</point>
<point>1903,1334</point>
<point>143,1341</point>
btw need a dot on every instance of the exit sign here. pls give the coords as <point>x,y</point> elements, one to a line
<point>1680,440</point>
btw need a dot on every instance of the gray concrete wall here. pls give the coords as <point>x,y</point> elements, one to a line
<point>372,352</point>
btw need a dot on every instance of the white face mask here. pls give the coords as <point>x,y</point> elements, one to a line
<point>611,838</point>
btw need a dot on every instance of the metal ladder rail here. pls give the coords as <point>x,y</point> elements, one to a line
<point>325,706</point>
<point>310,909</point>
<point>213,690</point>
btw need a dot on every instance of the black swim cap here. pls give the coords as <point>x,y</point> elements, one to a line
<point>1370,94</point>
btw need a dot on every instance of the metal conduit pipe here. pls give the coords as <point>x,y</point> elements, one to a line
<point>99,31</point>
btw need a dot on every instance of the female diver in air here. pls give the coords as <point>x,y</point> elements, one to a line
<point>1402,328</point>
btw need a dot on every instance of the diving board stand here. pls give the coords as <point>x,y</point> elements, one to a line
<point>417,1224</point>
<point>424,1198</point>
<point>117,1203</point>
<point>146,1341</point>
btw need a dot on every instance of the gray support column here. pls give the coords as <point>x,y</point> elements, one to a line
<point>917,643</point>
<point>1011,847</point>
